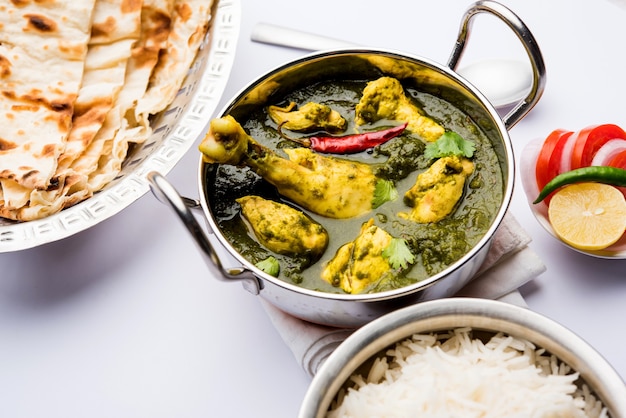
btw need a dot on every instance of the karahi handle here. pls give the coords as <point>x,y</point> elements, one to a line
<point>167,194</point>
<point>527,39</point>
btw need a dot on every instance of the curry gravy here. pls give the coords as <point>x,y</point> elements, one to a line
<point>435,245</point>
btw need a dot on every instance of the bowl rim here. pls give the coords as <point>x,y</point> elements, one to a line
<point>455,312</point>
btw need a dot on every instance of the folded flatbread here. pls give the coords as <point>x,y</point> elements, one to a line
<point>189,23</point>
<point>129,49</point>
<point>43,46</point>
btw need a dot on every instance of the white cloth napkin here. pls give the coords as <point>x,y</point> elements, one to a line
<point>509,264</point>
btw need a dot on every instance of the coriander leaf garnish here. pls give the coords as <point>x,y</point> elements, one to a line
<point>270,265</point>
<point>448,144</point>
<point>398,254</point>
<point>384,191</point>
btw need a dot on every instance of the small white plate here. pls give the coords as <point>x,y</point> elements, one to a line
<point>540,210</point>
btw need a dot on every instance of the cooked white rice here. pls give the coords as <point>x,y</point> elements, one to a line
<point>457,375</point>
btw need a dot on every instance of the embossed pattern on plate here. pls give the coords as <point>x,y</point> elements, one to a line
<point>175,130</point>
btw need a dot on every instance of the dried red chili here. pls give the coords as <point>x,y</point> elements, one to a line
<point>349,144</point>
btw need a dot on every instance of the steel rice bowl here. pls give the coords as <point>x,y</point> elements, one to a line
<point>478,314</point>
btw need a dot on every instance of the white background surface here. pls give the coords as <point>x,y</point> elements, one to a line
<point>123,320</point>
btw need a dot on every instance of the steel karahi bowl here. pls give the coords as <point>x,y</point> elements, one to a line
<point>353,310</point>
<point>478,314</point>
<point>175,130</point>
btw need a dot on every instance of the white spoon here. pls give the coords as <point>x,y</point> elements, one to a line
<point>503,82</point>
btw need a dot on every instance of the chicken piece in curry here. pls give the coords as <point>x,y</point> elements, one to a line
<point>384,98</point>
<point>327,186</point>
<point>438,189</point>
<point>283,229</point>
<point>359,263</point>
<point>309,117</point>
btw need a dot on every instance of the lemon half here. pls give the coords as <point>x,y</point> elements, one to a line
<point>588,216</point>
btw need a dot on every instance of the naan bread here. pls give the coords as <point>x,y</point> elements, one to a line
<point>190,20</point>
<point>42,52</point>
<point>137,51</point>
<point>117,40</point>
<point>123,126</point>
<point>114,29</point>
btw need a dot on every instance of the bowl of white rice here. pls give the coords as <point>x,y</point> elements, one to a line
<point>462,357</point>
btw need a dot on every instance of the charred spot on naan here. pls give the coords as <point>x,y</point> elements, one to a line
<point>28,174</point>
<point>5,67</point>
<point>40,23</point>
<point>48,150</point>
<point>101,29</point>
<point>62,107</point>
<point>55,182</point>
<point>6,145</point>
<point>157,25</point>
<point>160,29</point>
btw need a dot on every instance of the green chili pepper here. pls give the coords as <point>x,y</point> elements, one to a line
<point>599,174</point>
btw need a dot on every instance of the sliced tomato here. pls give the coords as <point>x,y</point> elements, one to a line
<point>590,139</point>
<point>549,159</point>
<point>609,150</point>
<point>619,160</point>
<point>566,157</point>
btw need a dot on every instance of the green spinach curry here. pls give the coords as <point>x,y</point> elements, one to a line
<point>430,246</point>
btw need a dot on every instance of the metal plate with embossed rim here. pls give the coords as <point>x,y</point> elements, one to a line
<point>175,130</point>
